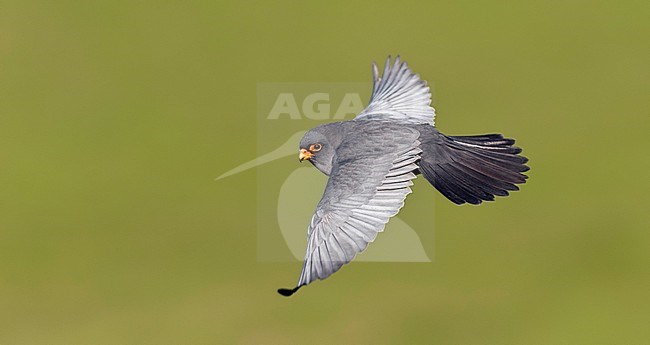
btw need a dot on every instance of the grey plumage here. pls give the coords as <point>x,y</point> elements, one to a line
<point>372,160</point>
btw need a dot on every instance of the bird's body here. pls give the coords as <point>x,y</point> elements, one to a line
<point>372,160</point>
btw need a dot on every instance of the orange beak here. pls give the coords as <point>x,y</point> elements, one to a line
<point>304,154</point>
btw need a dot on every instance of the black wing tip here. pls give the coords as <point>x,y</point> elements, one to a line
<point>288,292</point>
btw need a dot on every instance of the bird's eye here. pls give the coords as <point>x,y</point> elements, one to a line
<point>315,147</point>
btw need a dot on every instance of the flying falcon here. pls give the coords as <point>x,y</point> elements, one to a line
<point>372,160</point>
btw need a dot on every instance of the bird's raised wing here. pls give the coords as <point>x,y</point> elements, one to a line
<point>399,95</point>
<point>370,179</point>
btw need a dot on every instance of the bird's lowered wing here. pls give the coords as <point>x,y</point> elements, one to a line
<point>370,179</point>
<point>399,95</point>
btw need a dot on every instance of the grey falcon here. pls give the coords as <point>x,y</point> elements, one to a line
<point>372,160</point>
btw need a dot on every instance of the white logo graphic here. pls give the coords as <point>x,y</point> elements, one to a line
<point>298,194</point>
<point>315,106</point>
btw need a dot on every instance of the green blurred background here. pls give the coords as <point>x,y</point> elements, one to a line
<point>116,116</point>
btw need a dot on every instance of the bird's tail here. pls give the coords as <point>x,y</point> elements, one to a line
<point>472,168</point>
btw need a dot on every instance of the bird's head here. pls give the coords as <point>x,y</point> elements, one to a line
<point>318,148</point>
